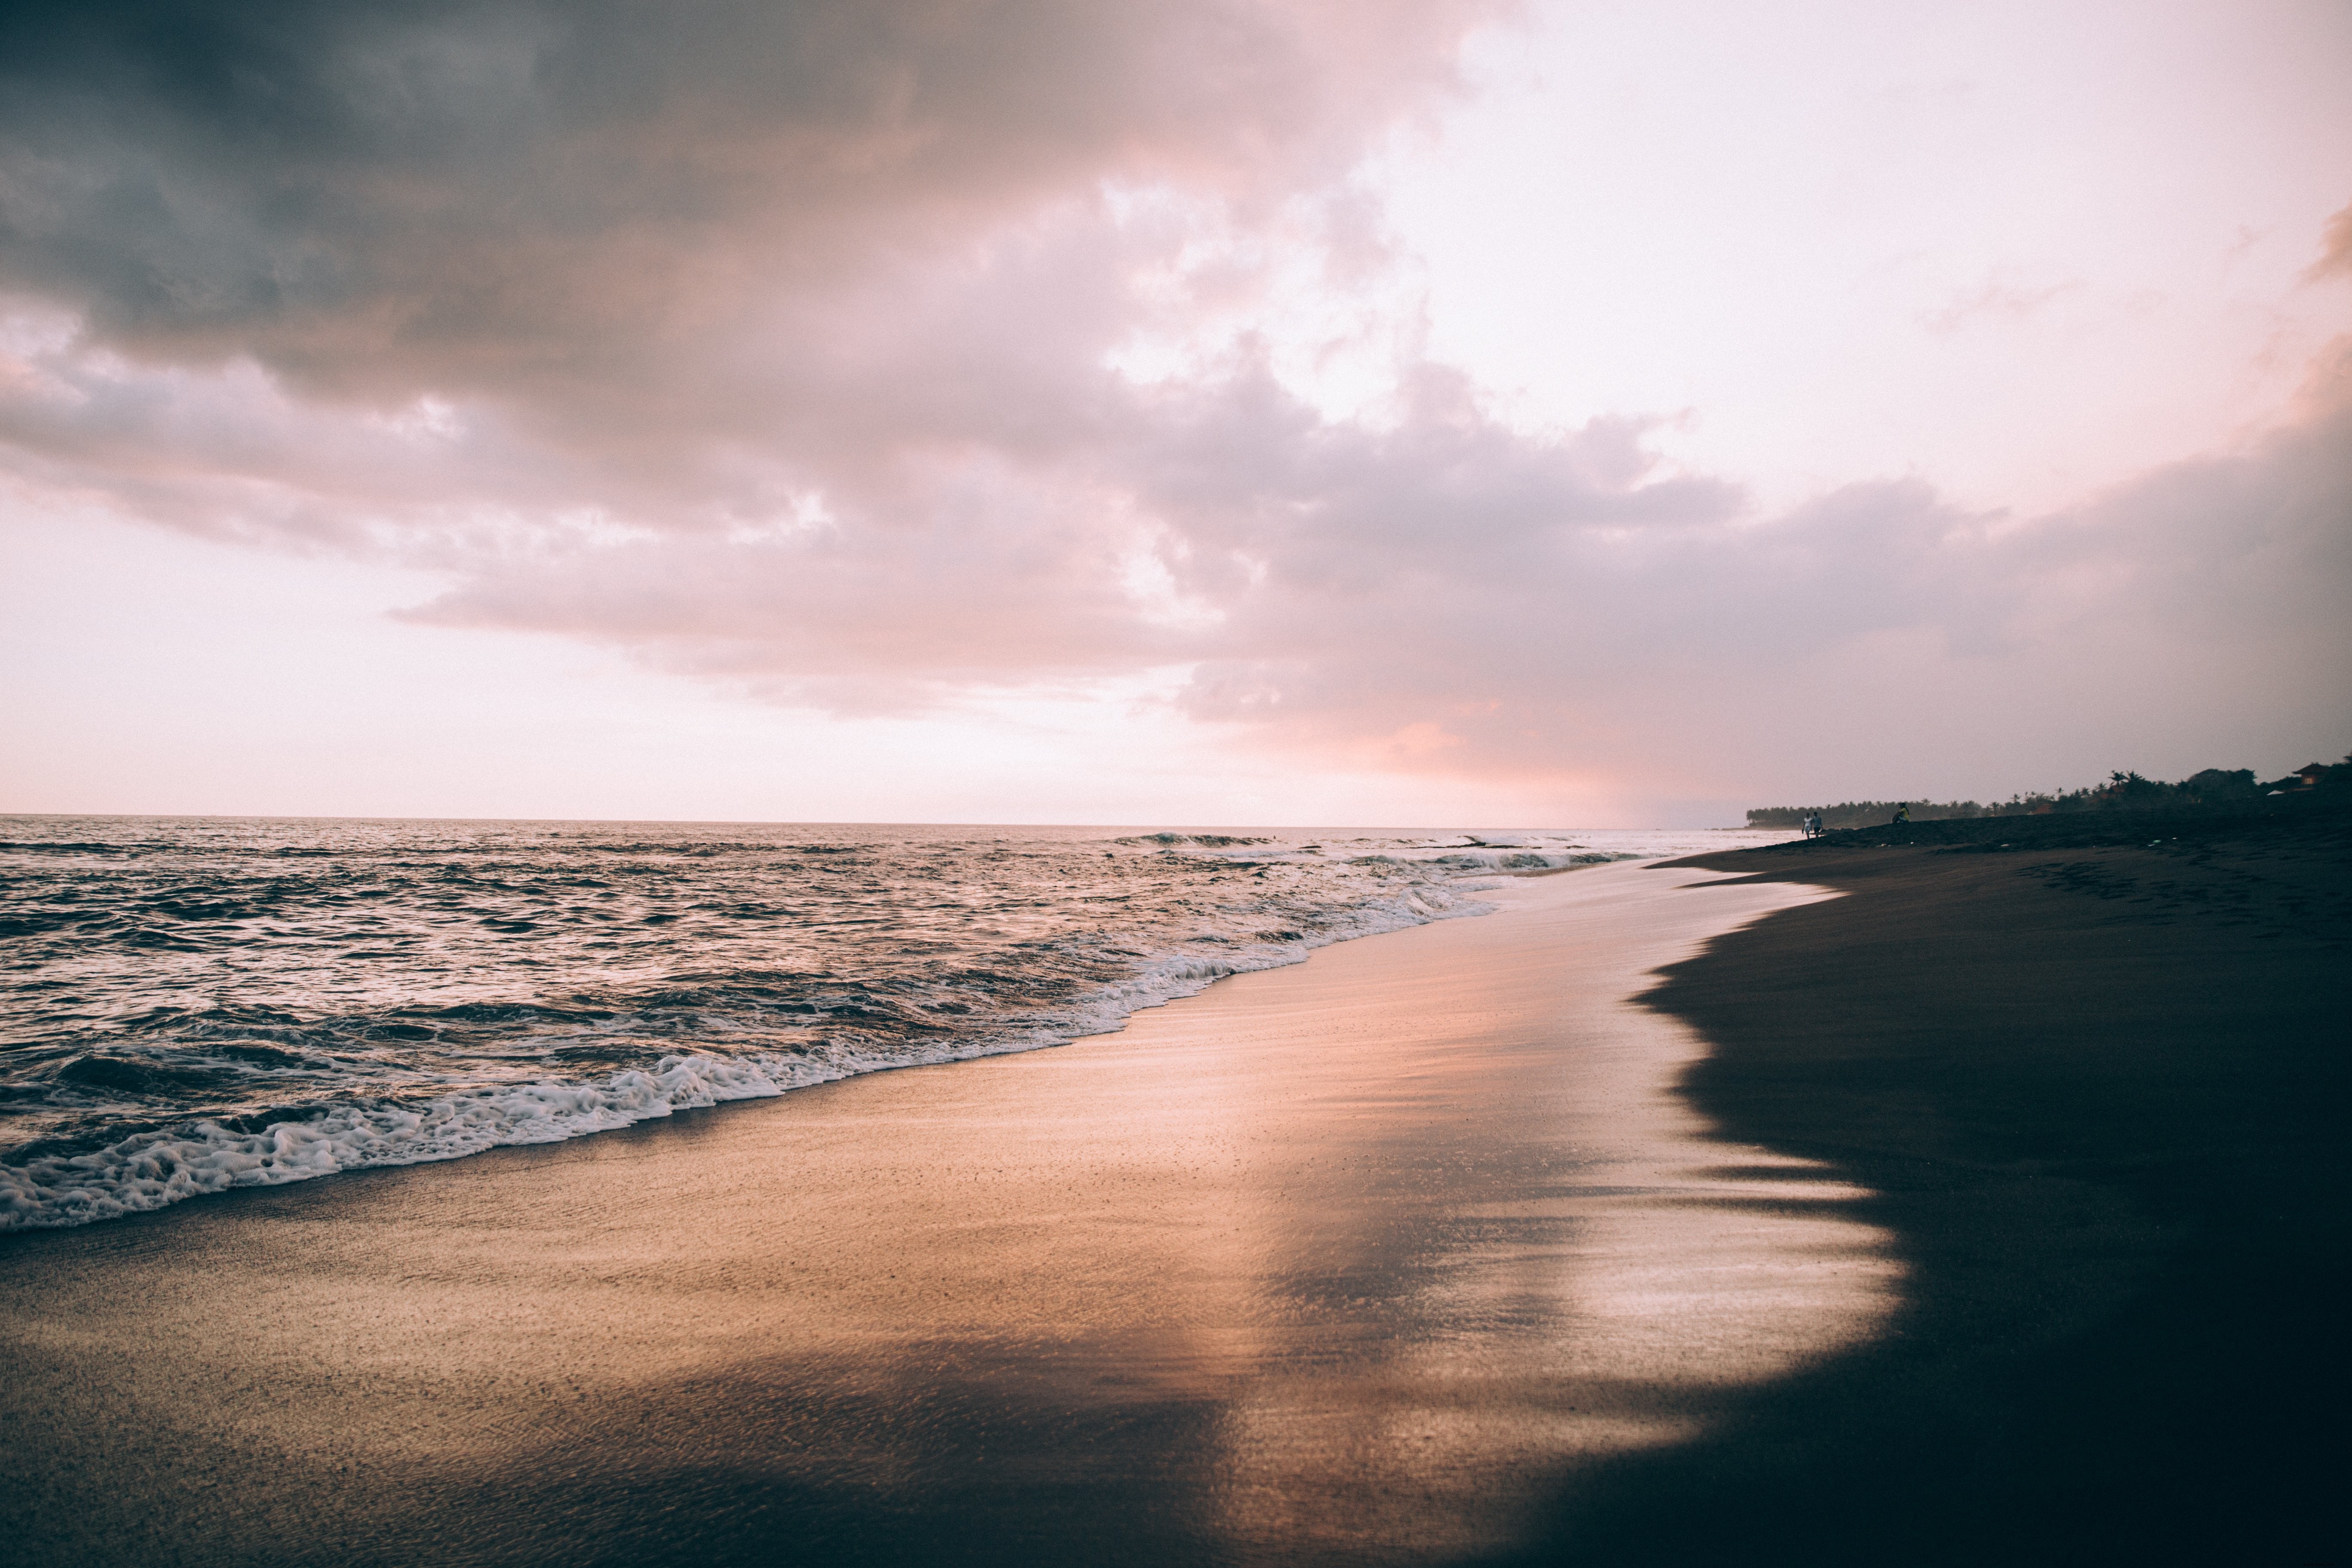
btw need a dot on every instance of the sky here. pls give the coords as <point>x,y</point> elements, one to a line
<point>1433,412</point>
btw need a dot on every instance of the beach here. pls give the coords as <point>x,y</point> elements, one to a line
<point>1346,1261</point>
<point>2096,1086</point>
<point>1861,1204</point>
<point>1444,784</point>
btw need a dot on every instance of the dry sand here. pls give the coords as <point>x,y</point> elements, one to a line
<point>1356,1261</point>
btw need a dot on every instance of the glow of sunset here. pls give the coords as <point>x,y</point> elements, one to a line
<point>1433,412</point>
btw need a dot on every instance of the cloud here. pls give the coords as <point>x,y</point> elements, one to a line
<point>516,198</point>
<point>2335,248</point>
<point>1996,299</point>
<point>872,355</point>
<point>685,265</point>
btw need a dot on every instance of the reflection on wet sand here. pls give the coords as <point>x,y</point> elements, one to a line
<point>1500,1244</point>
<point>1354,1260</point>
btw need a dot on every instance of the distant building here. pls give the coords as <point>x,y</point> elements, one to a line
<point>2309,773</point>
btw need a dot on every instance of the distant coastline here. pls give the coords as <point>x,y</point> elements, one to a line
<point>2221,791</point>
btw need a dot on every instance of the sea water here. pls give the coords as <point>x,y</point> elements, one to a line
<point>193,1005</point>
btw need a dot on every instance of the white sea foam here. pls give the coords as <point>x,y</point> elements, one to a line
<point>509,985</point>
<point>154,1170</point>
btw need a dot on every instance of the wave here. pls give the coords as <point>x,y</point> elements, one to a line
<point>1497,858</point>
<point>1198,840</point>
<point>155,1168</point>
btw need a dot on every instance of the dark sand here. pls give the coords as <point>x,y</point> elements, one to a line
<point>2100,1090</point>
<point>2020,1237</point>
<point>1354,1261</point>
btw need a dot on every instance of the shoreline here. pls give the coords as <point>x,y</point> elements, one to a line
<point>1351,1261</point>
<point>202,1156</point>
<point>200,1116</point>
<point>2095,1088</point>
<point>1821,1203</point>
<point>184,1158</point>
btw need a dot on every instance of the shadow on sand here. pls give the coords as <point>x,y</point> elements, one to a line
<point>2099,1100</point>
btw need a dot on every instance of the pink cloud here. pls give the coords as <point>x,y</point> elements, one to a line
<point>777,346</point>
<point>2335,253</point>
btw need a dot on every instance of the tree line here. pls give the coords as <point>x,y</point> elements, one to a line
<point>2214,788</point>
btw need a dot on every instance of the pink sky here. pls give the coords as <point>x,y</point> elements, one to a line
<point>1306,412</point>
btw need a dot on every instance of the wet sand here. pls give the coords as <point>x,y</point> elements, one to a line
<point>1376,1258</point>
<point>1995,1211</point>
<point>2097,1090</point>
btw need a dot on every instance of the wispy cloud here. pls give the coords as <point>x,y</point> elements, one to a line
<point>1996,299</point>
<point>2336,252</point>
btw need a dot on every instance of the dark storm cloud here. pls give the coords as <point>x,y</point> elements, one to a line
<point>494,196</point>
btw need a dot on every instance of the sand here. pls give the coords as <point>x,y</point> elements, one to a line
<point>1353,1261</point>
<point>2099,1091</point>
<point>1991,1210</point>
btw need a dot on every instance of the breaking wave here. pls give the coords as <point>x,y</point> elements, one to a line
<point>204,1005</point>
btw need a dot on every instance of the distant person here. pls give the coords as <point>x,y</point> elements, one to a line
<point>1903,812</point>
<point>1813,826</point>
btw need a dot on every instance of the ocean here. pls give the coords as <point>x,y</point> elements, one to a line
<point>193,1005</point>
